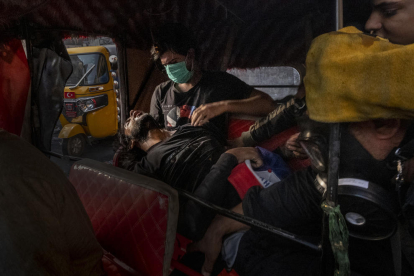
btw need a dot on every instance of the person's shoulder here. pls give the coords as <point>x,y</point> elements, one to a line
<point>187,128</point>
<point>207,129</point>
<point>224,78</point>
<point>164,87</point>
<point>219,75</point>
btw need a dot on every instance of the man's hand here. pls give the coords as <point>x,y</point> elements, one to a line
<point>249,153</point>
<point>206,112</point>
<point>293,149</point>
<point>135,113</point>
<point>210,245</point>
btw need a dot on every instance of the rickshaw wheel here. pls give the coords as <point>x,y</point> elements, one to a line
<point>74,146</point>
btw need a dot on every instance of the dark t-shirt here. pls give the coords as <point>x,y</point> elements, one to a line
<point>172,108</point>
<point>185,158</point>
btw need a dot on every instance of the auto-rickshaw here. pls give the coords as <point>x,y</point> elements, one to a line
<point>255,34</point>
<point>90,98</point>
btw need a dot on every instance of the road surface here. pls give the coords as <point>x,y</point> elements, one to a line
<point>100,150</point>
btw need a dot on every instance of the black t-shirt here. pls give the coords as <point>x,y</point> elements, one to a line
<point>185,158</point>
<point>172,108</point>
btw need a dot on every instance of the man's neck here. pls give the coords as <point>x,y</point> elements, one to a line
<point>155,136</point>
<point>185,87</point>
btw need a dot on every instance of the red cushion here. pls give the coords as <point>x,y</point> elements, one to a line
<point>237,127</point>
<point>130,214</point>
<point>231,273</point>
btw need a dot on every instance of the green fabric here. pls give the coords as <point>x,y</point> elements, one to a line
<point>338,236</point>
<point>178,72</point>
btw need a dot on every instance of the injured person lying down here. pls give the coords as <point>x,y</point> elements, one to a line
<point>180,158</point>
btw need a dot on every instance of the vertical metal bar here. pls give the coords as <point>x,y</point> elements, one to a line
<point>334,151</point>
<point>328,259</point>
<point>339,14</point>
<point>28,34</point>
<point>123,85</point>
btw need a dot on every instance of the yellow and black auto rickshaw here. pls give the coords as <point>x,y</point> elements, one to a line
<point>90,98</point>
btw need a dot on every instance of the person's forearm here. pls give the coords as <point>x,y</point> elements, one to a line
<point>259,105</point>
<point>281,119</point>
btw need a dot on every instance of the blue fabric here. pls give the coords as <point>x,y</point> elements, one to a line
<point>274,162</point>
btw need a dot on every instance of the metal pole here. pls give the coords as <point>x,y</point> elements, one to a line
<point>250,221</point>
<point>334,151</point>
<point>328,259</point>
<point>339,14</point>
<point>123,84</point>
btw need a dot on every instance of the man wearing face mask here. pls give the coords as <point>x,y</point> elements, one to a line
<point>376,112</point>
<point>194,96</point>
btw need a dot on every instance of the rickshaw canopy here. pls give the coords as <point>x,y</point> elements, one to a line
<point>245,34</point>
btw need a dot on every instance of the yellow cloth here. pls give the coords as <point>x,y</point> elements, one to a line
<point>353,77</point>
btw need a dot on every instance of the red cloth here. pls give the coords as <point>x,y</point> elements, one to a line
<point>14,85</point>
<point>242,179</point>
<point>237,127</point>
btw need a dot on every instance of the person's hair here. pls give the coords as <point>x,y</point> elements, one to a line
<point>127,157</point>
<point>172,37</point>
<point>141,128</point>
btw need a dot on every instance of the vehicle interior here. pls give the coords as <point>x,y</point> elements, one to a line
<point>134,216</point>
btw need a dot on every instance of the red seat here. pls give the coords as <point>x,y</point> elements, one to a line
<point>134,217</point>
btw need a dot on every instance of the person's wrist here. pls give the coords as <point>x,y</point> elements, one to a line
<point>223,107</point>
<point>234,152</point>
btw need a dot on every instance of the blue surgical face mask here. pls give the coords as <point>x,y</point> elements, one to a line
<point>178,72</point>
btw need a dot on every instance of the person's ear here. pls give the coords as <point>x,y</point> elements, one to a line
<point>385,129</point>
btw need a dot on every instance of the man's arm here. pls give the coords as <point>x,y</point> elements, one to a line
<point>216,189</point>
<point>258,104</point>
<point>280,119</point>
<point>212,241</point>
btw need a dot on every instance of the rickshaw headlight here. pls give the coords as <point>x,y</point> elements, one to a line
<point>92,103</point>
<point>81,105</point>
